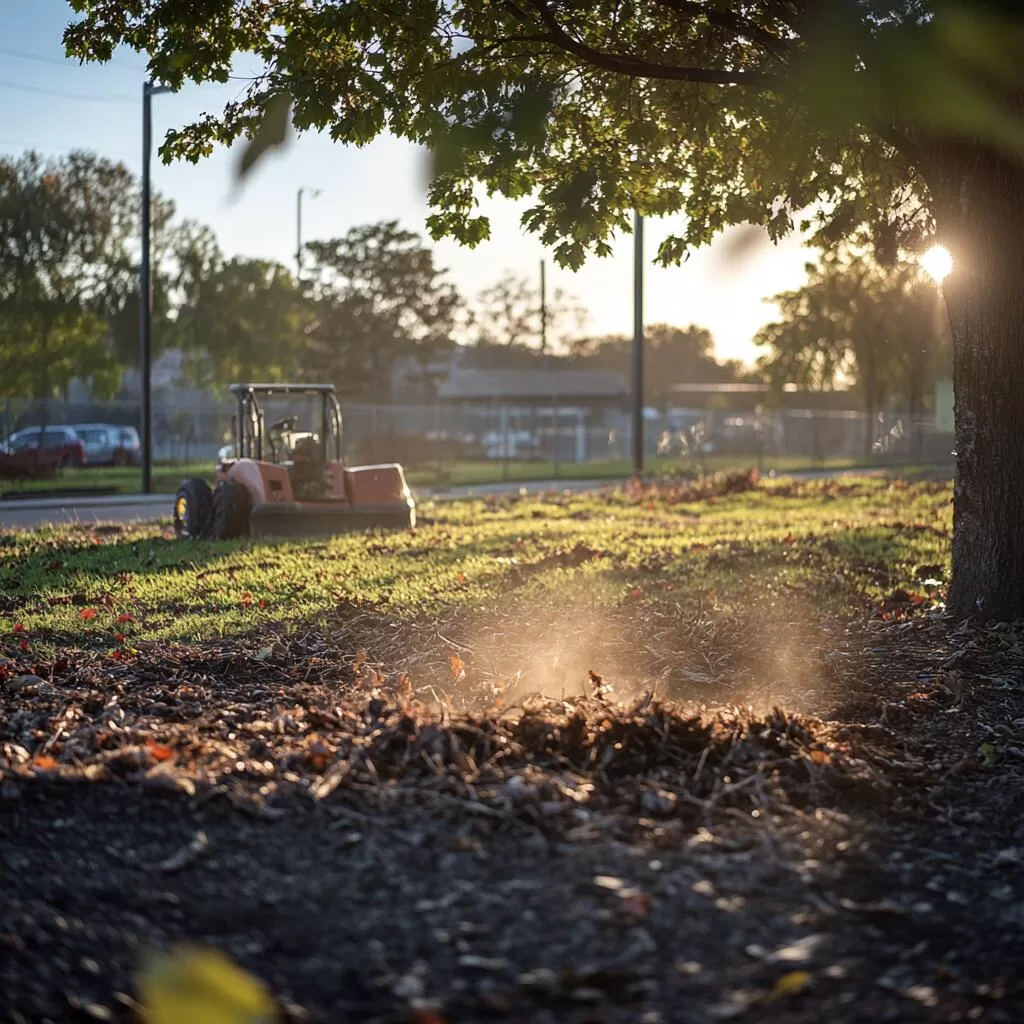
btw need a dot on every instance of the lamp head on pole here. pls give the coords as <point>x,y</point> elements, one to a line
<point>937,263</point>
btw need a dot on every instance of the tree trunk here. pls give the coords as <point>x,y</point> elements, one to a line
<point>980,214</point>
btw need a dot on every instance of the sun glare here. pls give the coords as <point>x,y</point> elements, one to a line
<point>937,263</point>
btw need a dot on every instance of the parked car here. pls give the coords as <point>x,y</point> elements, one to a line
<point>61,444</point>
<point>109,445</point>
<point>130,451</point>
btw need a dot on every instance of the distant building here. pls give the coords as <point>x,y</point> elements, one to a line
<point>579,389</point>
<point>749,397</point>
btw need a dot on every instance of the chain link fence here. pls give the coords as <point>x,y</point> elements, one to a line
<point>506,441</point>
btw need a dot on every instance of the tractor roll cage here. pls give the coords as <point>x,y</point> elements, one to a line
<point>249,442</point>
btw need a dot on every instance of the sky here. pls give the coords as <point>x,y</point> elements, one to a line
<point>53,105</point>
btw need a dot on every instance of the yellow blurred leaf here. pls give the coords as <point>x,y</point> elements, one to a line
<point>791,984</point>
<point>192,985</point>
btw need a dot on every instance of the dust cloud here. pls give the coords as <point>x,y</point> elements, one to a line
<point>569,644</point>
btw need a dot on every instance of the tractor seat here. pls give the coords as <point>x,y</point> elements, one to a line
<point>305,449</point>
<point>309,479</point>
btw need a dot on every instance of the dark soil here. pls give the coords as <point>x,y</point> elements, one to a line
<point>375,859</point>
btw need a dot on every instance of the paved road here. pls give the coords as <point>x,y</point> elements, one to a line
<point>30,513</point>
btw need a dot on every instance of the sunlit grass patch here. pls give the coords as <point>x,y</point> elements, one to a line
<point>837,545</point>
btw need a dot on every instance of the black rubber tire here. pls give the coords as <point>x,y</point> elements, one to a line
<point>193,518</point>
<point>232,507</point>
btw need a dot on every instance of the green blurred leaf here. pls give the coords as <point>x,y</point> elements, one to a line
<point>452,149</point>
<point>530,111</point>
<point>271,134</point>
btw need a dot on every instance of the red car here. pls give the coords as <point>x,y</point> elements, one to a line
<point>34,450</point>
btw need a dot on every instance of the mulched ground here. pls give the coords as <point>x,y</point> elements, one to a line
<point>459,850</point>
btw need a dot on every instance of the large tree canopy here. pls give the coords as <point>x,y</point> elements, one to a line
<point>886,112</point>
<point>65,229</point>
<point>878,325</point>
<point>723,112</point>
<point>378,298</point>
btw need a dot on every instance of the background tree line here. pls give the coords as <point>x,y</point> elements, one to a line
<point>375,298</point>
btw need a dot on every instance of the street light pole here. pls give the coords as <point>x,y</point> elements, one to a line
<point>313,192</point>
<point>149,90</point>
<point>638,345</point>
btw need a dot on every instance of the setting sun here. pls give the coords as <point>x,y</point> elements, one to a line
<point>937,263</point>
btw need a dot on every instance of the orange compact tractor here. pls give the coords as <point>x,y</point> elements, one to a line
<point>288,479</point>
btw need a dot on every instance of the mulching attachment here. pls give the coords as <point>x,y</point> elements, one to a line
<point>373,857</point>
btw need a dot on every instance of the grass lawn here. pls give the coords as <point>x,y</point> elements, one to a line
<point>817,545</point>
<point>706,751</point>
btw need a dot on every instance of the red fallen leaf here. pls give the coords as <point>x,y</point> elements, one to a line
<point>119,637</point>
<point>159,751</point>
<point>23,645</point>
<point>19,628</point>
<point>821,757</point>
<point>44,762</point>
<point>263,604</point>
<point>125,617</point>
<point>87,614</point>
<point>463,578</point>
<point>789,539</point>
<point>636,905</point>
<point>117,655</point>
<point>458,667</point>
<point>319,753</point>
<point>247,599</point>
<point>636,592</point>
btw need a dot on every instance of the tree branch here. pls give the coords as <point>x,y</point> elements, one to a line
<point>732,21</point>
<point>625,64</point>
